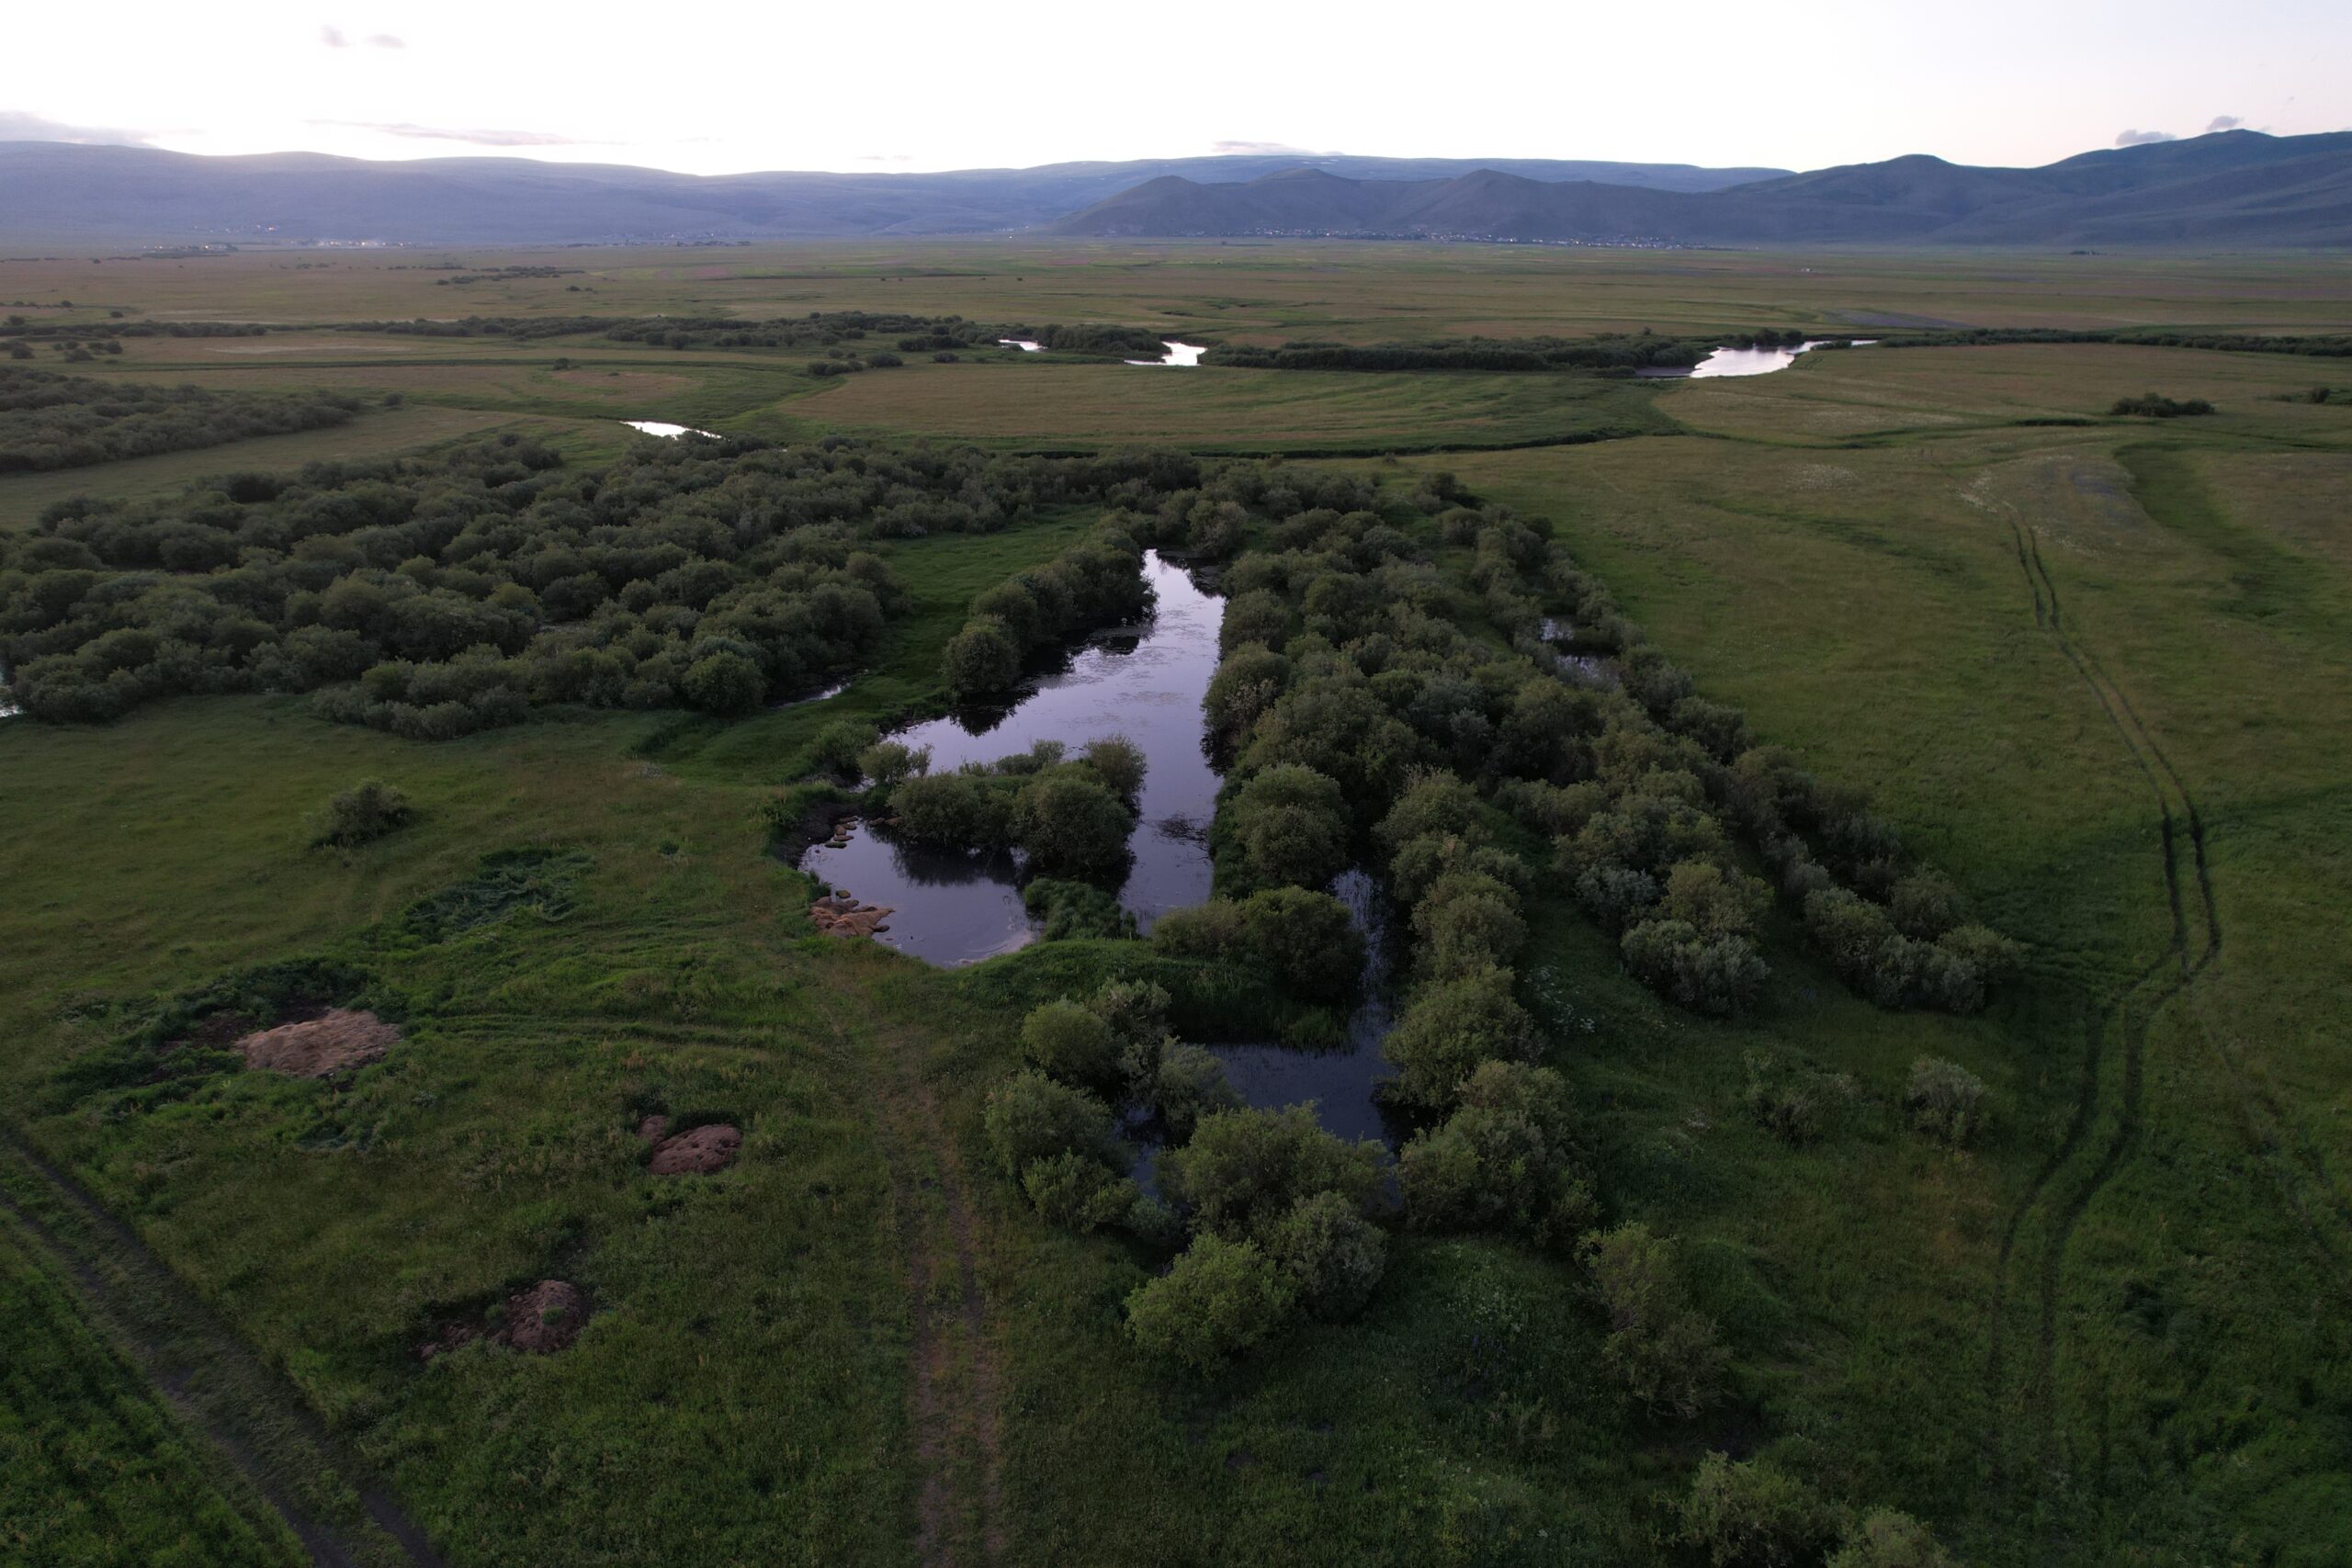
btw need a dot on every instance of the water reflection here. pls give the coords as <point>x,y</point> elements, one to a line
<point>1145,682</point>
<point>1177,353</point>
<point>666,431</point>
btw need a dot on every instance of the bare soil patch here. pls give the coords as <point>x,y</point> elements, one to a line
<point>543,1319</point>
<point>315,1047</point>
<point>699,1151</point>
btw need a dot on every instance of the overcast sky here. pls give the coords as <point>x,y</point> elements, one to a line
<point>721,87</point>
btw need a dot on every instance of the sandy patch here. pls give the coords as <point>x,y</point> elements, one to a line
<point>314,1047</point>
<point>698,1152</point>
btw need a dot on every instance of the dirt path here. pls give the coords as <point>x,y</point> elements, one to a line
<point>955,1379</point>
<point>2194,943</point>
<point>207,1376</point>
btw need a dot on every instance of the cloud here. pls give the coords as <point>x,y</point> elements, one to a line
<point>2222,123</point>
<point>476,138</point>
<point>2143,138</point>
<point>17,126</point>
<point>332,38</point>
<point>1258,147</point>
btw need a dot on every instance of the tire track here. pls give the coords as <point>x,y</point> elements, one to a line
<point>296,1437</point>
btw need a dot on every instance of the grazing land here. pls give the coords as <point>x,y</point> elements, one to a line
<point>2092,668</point>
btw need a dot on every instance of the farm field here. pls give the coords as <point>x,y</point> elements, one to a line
<point>2091,667</point>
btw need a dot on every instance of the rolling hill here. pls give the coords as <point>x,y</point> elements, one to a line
<point>128,195</point>
<point>2236,187</point>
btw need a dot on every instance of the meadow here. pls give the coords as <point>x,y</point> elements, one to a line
<point>2092,666</point>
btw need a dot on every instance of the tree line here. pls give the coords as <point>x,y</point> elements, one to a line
<point>49,420</point>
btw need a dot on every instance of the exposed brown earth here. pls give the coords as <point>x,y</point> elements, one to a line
<point>698,1151</point>
<point>315,1047</point>
<point>838,914</point>
<point>543,1319</point>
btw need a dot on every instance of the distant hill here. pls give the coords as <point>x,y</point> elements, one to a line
<point>131,195</point>
<point>2236,187</point>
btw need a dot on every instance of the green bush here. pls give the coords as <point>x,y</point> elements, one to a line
<point>983,658</point>
<point>1244,1168</point>
<point>1120,762</point>
<point>724,683</point>
<point>1508,1158</point>
<point>1308,939</point>
<point>1072,825</point>
<point>1752,1514</point>
<point>1661,1349</point>
<point>1219,1300</point>
<point>1075,911</point>
<point>1335,1256</point>
<point>1467,923</point>
<point>1078,1193</point>
<point>363,814</point>
<point>1946,1101</point>
<point>1030,1117</point>
<point>1189,1084</point>
<point>890,762</point>
<point>1885,1538</point>
<point>1451,1027</point>
<point>1291,824</point>
<point>1068,1042</point>
<point>841,742</point>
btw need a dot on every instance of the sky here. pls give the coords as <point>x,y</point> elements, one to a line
<point>722,87</point>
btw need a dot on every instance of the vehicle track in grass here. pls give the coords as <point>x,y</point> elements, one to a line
<point>202,1372</point>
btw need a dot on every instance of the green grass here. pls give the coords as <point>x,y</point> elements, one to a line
<point>1847,550</point>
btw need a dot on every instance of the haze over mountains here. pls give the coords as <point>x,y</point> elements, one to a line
<point>2235,187</point>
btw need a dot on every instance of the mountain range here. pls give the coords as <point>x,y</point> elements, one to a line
<point>71,192</point>
<point>2231,188</point>
<point>2235,187</point>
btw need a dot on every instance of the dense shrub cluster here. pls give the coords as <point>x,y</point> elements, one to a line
<point>1619,351</point>
<point>1305,939</point>
<point>2156,405</point>
<point>1069,816</point>
<point>1101,339</point>
<point>364,813</point>
<point>1097,581</point>
<point>436,596</point>
<point>52,421</point>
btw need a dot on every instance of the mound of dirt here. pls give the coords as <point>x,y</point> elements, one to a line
<point>547,1317</point>
<point>314,1047</point>
<point>654,1129</point>
<point>838,914</point>
<point>697,1152</point>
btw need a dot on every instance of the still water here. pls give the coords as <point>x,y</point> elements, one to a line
<point>1144,682</point>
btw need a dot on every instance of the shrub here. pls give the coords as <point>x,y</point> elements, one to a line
<point>1449,1029</point>
<point>1508,1158</point>
<point>1467,922</point>
<point>888,762</point>
<point>1119,762</point>
<point>1072,825</point>
<point>2155,405</point>
<point>1189,1084</point>
<point>1307,939</point>
<point>1946,1100</point>
<point>1661,1349</point>
<point>841,742</point>
<point>1244,1168</point>
<point>1030,1117</point>
<point>1244,686</point>
<point>1752,1514</point>
<point>1924,905</point>
<point>1220,1299</point>
<point>1291,824</point>
<point>363,814</point>
<point>955,810</point>
<point>1335,1256</point>
<point>724,683</point>
<point>980,659</point>
<point>1885,1538</point>
<point>1783,1099</point>
<point>1072,1043</point>
<point>1711,975</point>
<point>1077,909</point>
<point>1212,929</point>
<point>1078,1193</point>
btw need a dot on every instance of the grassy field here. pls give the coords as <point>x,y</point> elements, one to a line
<point>2095,670</point>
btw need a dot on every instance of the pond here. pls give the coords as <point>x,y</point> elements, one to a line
<point>1746,361</point>
<point>1145,682</point>
<point>1022,343</point>
<point>668,432</point>
<point>1177,353</point>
